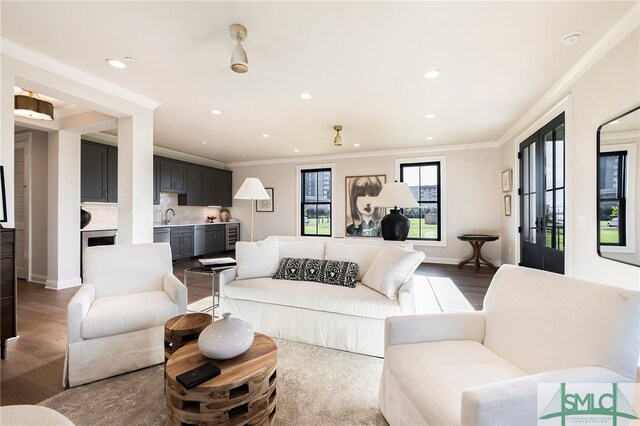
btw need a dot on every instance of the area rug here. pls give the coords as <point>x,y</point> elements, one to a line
<point>316,386</point>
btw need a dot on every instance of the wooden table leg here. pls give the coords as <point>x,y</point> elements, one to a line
<point>470,258</point>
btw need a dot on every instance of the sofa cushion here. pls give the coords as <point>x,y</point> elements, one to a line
<point>308,249</point>
<point>334,272</point>
<point>390,268</point>
<point>113,315</point>
<point>433,375</point>
<point>258,259</point>
<point>360,301</point>
<point>363,255</point>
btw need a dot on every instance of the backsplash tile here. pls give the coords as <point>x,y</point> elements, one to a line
<point>105,215</point>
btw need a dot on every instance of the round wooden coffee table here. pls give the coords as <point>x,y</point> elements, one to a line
<point>243,393</point>
<point>183,329</point>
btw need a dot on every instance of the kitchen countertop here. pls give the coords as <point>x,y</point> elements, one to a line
<point>155,225</point>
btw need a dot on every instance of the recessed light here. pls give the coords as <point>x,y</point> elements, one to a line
<point>296,150</point>
<point>615,122</point>
<point>216,112</point>
<point>430,116</point>
<point>305,96</point>
<point>129,59</point>
<point>243,155</point>
<point>204,143</point>
<point>432,74</point>
<point>116,63</point>
<point>264,135</point>
<point>572,38</point>
<point>429,138</point>
<point>356,144</point>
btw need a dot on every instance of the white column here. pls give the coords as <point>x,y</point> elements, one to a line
<point>135,178</point>
<point>63,244</point>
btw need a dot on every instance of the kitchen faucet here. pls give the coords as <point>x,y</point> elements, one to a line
<point>166,215</point>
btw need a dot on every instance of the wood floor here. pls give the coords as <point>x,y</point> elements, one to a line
<point>32,371</point>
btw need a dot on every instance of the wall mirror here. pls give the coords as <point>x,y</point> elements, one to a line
<point>619,188</point>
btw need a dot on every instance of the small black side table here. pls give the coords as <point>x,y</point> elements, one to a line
<point>477,241</point>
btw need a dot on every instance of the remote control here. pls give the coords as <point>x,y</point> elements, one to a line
<point>198,375</point>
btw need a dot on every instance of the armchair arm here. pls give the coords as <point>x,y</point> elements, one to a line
<point>434,327</point>
<point>227,276</point>
<point>515,401</point>
<point>176,291</point>
<point>77,310</point>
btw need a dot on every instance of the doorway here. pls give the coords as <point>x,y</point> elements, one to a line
<point>542,197</point>
<point>22,204</point>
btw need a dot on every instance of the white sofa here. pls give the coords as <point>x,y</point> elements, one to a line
<point>483,368</point>
<point>350,319</point>
<point>115,321</point>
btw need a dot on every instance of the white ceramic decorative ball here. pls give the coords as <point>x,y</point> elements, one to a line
<point>226,338</point>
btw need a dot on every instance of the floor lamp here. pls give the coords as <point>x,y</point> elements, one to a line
<point>252,189</point>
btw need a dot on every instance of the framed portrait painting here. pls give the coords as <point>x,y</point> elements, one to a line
<point>265,205</point>
<point>362,219</point>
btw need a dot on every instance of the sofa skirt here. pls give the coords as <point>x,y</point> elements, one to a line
<point>338,331</point>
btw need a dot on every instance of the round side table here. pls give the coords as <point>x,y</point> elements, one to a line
<point>183,329</point>
<point>244,392</point>
<point>477,241</point>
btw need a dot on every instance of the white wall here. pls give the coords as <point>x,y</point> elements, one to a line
<point>609,88</point>
<point>473,197</point>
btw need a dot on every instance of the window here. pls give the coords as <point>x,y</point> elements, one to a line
<point>424,181</point>
<point>612,201</point>
<point>315,202</point>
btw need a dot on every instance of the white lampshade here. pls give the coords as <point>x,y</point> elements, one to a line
<point>252,189</point>
<point>395,194</point>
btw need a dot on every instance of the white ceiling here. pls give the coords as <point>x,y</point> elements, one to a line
<point>363,62</point>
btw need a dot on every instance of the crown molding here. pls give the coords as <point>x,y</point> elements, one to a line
<point>177,155</point>
<point>382,153</point>
<point>622,28</point>
<point>40,60</point>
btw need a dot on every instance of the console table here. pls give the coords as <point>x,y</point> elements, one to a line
<point>477,241</point>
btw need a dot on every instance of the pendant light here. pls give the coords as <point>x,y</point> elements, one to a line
<point>337,141</point>
<point>31,106</point>
<point>239,59</point>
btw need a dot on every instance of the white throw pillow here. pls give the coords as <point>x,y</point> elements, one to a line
<point>390,268</point>
<point>363,255</point>
<point>303,249</point>
<point>259,259</point>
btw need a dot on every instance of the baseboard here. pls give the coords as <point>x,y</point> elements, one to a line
<point>455,261</point>
<point>62,284</point>
<point>40,279</point>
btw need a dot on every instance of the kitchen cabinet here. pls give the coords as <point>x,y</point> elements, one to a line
<point>173,176</point>
<point>156,181</point>
<point>207,186</point>
<point>8,323</point>
<point>98,173</point>
<point>214,238</point>
<point>181,242</point>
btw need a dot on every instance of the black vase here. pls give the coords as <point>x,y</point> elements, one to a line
<point>395,226</point>
<point>85,218</point>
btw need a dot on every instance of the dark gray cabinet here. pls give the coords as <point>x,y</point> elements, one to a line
<point>98,173</point>
<point>156,181</point>
<point>207,186</point>
<point>214,238</point>
<point>181,242</point>
<point>173,176</point>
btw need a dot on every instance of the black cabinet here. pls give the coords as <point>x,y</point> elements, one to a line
<point>98,173</point>
<point>195,187</point>
<point>225,198</point>
<point>207,186</point>
<point>173,176</point>
<point>181,242</point>
<point>8,323</point>
<point>210,187</point>
<point>156,181</point>
<point>214,238</point>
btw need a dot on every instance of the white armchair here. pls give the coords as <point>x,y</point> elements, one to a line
<point>115,321</point>
<point>483,368</point>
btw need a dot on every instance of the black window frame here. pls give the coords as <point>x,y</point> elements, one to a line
<point>621,190</point>
<point>303,201</point>
<point>438,201</point>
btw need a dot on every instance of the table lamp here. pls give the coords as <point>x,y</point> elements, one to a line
<point>252,189</point>
<point>395,225</point>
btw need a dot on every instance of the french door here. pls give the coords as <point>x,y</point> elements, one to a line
<point>542,198</point>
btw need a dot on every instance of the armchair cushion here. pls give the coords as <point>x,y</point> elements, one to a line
<point>114,315</point>
<point>433,375</point>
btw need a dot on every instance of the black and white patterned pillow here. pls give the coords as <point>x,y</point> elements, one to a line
<point>334,272</point>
